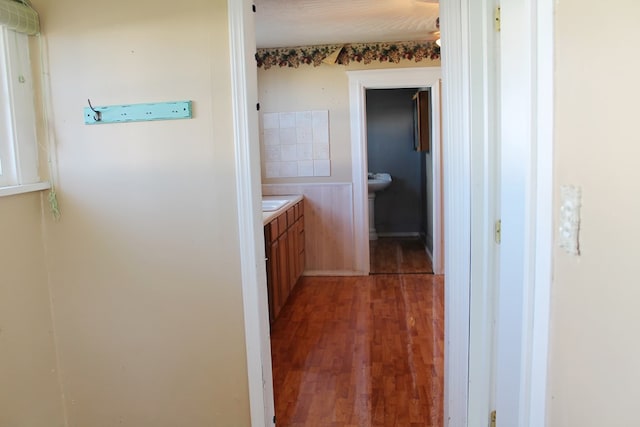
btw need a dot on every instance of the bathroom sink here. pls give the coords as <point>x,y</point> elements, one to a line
<point>269,205</point>
<point>378,181</point>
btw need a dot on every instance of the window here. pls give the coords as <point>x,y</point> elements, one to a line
<point>18,147</point>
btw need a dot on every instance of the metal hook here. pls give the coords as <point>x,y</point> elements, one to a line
<point>98,116</point>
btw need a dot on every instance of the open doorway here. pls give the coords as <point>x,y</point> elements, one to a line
<point>325,310</point>
<point>401,78</point>
<point>464,39</point>
<point>400,181</point>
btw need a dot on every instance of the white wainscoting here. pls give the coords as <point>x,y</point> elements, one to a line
<point>329,226</point>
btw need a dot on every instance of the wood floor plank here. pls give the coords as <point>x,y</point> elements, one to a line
<point>361,351</point>
<point>398,255</point>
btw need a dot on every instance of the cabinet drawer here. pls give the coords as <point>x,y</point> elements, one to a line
<point>291,217</point>
<point>281,225</point>
<point>296,211</point>
<point>269,232</point>
<point>300,234</point>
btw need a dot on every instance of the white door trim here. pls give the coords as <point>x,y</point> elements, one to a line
<point>526,250</point>
<point>437,209</point>
<point>543,268</point>
<point>244,89</point>
<point>485,174</point>
<point>527,134</point>
<point>359,82</point>
<point>456,132</point>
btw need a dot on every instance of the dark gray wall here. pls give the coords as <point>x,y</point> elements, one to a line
<point>401,208</point>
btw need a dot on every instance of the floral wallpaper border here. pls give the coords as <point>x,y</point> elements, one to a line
<point>366,53</point>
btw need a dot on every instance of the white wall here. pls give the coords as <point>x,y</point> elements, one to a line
<point>30,393</point>
<point>144,263</point>
<point>595,351</point>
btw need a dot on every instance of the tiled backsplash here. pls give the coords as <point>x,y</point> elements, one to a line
<point>295,144</point>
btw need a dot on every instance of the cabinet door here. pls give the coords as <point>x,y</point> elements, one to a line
<point>300,253</point>
<point>291,216</point>
<point>283,271</point>
<point>284,241</point>
<point>292,240</point>
<point>422,120</point>
<point>273,279</point>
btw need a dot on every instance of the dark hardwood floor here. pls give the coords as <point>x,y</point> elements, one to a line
<point>361,351</point>
<point>398,255</point>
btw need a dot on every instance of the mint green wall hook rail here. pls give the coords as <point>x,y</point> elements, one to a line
<point>137,112</point>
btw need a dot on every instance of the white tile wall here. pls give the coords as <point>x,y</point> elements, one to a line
<point>305,168</point>
<point>272,137</point>
<point>272,153</point>
<point>288,169</point>
<point>287,120</point>
<point>296,144</point>
<point>271,121</point>
<point>321,151</point>
<point>288,153</point>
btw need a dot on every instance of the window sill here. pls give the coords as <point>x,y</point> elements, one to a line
<point>26,188</point>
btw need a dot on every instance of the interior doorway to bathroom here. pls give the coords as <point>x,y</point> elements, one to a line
<point>400,213</point>
<point>368,84</point>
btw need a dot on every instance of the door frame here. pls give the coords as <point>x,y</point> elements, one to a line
<point>459,64</point>
<point>526,183</point>
<point>393,78</point>
<point>244,90</point>
<point>527,68</point>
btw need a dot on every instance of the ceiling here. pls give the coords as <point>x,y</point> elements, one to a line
<point>288,23</point>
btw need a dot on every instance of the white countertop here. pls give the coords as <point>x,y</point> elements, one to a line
<point>292,200</point>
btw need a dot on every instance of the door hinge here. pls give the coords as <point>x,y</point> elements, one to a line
<point>253,7</point>
<point>274,419</point>
<point>493,419</point>
<point>498,231</point>
<point>496,19</point>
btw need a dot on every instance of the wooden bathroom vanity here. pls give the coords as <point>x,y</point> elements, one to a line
<point>284,250</point>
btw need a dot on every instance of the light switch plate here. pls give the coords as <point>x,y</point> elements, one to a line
<point>569,230</point>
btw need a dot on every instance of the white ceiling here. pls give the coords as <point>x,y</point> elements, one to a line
<point>287,23</point>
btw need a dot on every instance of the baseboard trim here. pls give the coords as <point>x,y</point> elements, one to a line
<point>426,249</point>
<point>401,234</point>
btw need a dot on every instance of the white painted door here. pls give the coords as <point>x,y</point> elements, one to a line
<point>526,117</point>
<point>470,150</point>
<point>484,51</point>
<point>247,150</point>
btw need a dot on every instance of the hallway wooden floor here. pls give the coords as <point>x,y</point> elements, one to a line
<point>361,351</point>
<point>398,255</point>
